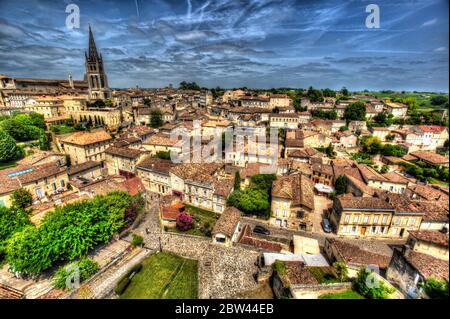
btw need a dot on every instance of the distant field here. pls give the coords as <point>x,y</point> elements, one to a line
<point>164,276</point>
<point>422,98</point>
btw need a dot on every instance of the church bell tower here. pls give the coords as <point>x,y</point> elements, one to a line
<point>95,72</point>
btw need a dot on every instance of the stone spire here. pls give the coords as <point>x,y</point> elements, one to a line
<point>93,54</point>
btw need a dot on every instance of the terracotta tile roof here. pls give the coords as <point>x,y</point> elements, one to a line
<point>223,187</point>
<point>134,186</point>
<point>87,138</point>
<point>251,170</point>
<point>395,177</point>
<point>249,110</point>
<point>262,244</point>
<point>41,171</point>
<point>432,128</point>
<point>430,157</point>
<point>75,169</point>
<point>322,168</point>
<point>38,156</point>
<point>197,172</point>
<point>303,168</point>
<point>169,213</point>
<point>355,255</point>
<point>431,236</point>
<point>298,274</point>
<point>364,203</point>
<point>290,142</point>
<point>435,211</point>
<point>401,203</point>
<point>369,173</point>
<point>161,139</point>
<point>427,265</point>
<point>361,185</point>
<point>227,222</point>
<point>346,168</point>
<point>297,188</point>
<point>129,153</point>
<point>306,152</point>
<point>156,164</point>
<point>105,186</point>
<point>428,193</point>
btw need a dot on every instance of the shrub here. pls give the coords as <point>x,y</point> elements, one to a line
<point>137,240</point>
<point>341,270</point>
<point>86,267</point>
<point>184,222</point>
<point>436,289</point>
<point>379,291</point>
<point>21,198</point>
<point>279,267</point>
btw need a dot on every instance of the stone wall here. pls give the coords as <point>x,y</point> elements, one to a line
<point>317,290</point>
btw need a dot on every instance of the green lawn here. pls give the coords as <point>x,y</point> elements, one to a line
<point>62,129</point>
<point>347,294</point>
<point>432,180</point>
<point>204,222</point>
<point>164,276</point>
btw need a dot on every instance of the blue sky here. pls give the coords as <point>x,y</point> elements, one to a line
<point>253,43</point>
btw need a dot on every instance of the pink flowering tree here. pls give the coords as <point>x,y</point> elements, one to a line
<point>184,221</point>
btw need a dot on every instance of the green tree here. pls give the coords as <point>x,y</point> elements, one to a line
<point>12,220</point>
<point>237,181</point>
<point>67,233</point>
<point>329,150</point>
<point>329,93</point>
<point>21,198</point>
<point>341,270</point>
<point>314,95</point>
<point>355,112</point>
<point>393,150</point>
<point>371,145</point>
<point>8,147</point>
<point>162,155</point>
<point>345,92</point>
<point>341,185</point>
<point>108,103</point>
<point>156,119</point>
<point>44,142</point>
<point>439,100</point>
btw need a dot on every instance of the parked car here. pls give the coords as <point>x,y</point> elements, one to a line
<point>261,230</point>
<point>326,225</point>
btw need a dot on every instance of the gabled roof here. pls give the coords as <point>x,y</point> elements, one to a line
<point>297,188</point>
<point>87,138</point>
<point>431,236</point>
<point>227,222</point>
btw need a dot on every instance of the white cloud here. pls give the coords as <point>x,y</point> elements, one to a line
<point>440,49</point>
<point>429,22</point>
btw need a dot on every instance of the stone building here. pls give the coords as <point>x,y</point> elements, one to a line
<point>226,229</point>
<point>292,202</point>
<point>122,160</point>
<point>41,180</point>
<point>86,146</point>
